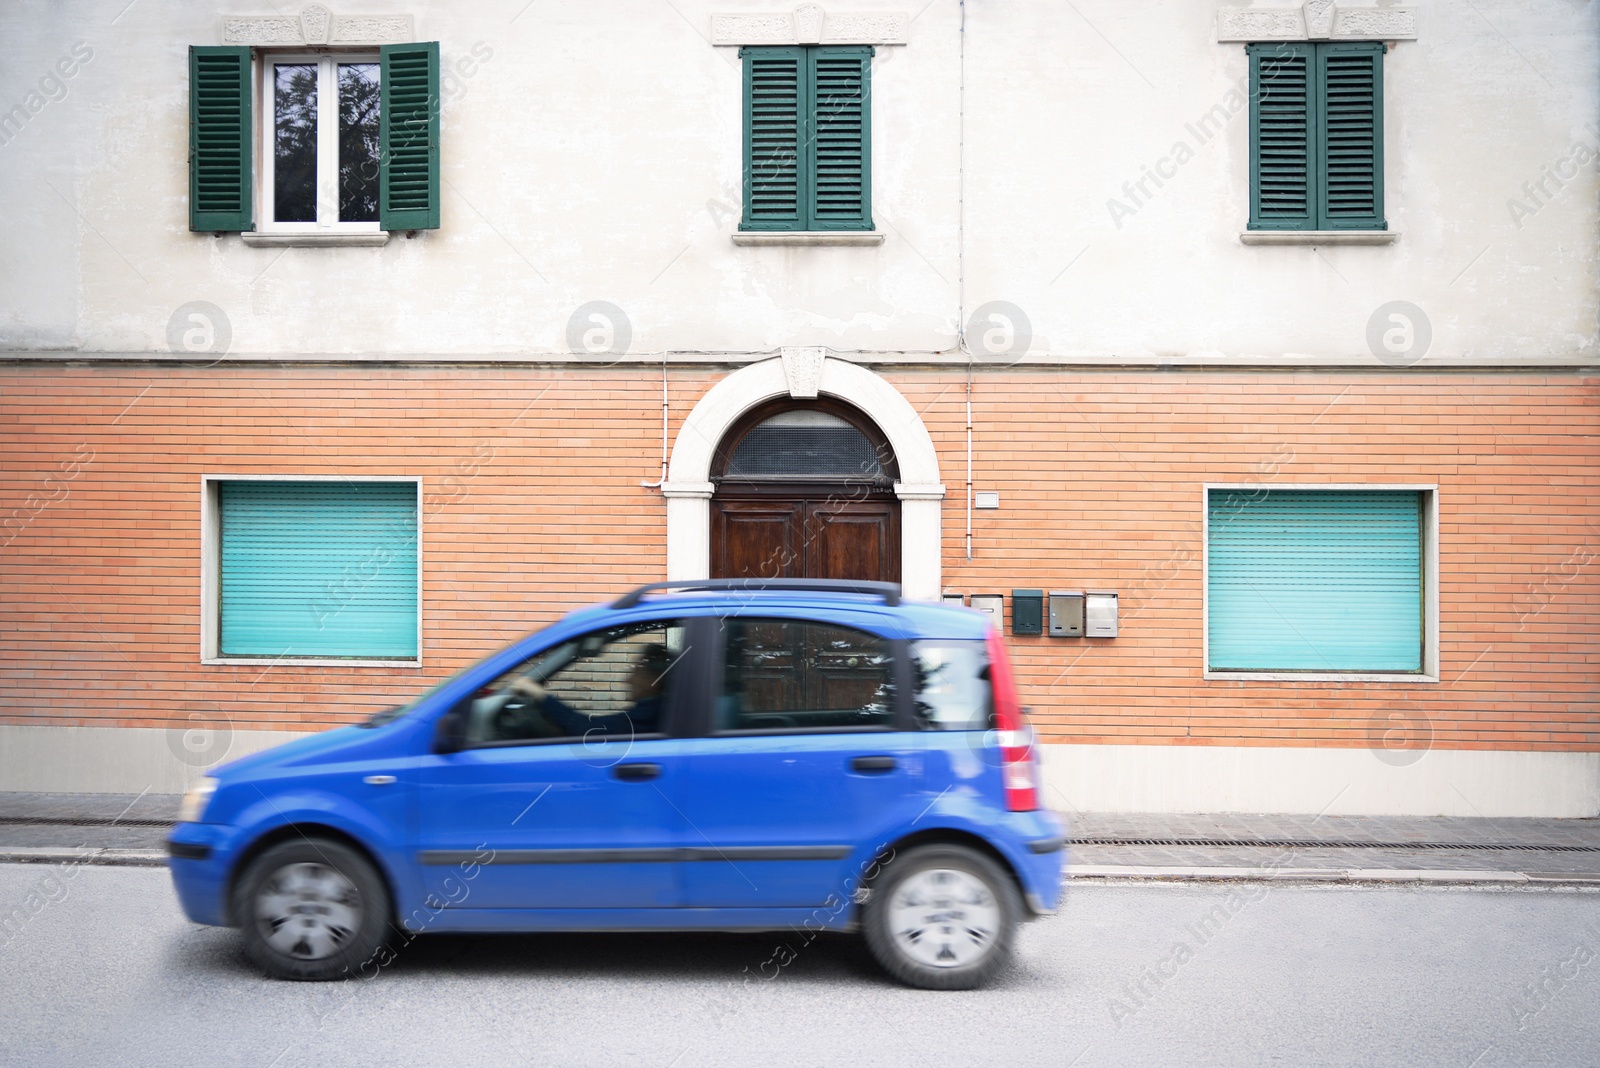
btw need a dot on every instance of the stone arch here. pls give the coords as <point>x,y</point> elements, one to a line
<point>805,373</point>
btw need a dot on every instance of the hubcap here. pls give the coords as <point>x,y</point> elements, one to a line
<point>308,911</point>
<point>944,918</point>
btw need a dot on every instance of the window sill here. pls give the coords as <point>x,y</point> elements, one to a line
<point>268,239</point>
<point>1321,676</point>
<point>306,661</point>
<point>1319,237</point>
<point>808,237</point>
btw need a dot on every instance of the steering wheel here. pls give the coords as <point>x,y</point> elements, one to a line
<point>517,718</point>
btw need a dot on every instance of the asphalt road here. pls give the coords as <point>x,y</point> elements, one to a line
<point>99,967</point>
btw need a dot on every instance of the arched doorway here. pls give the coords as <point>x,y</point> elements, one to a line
<point>805,489</point>
<point>688,489</point>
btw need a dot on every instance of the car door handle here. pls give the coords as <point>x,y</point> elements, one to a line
<point>636,772</point>
<point>872,763</point>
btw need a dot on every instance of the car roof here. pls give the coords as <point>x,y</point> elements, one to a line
<point>906,619</point>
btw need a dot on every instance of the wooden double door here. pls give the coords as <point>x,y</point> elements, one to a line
<point>806,532</point>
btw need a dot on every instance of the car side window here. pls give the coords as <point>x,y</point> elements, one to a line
<point>611,683</point>
<point>782,674</point>
<point>951,677</point>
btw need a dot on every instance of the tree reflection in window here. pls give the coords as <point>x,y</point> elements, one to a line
<point>294,193</point>
<point>359,104</point>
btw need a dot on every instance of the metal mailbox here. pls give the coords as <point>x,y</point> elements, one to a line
<point>1066,613</point>
<point>1027,611</point>
<point>1100,614</point>
<point>994,604</point>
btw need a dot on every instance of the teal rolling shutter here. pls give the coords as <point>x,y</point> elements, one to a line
<point>318,569</point>
<point>1315,580</point>
<point>1350,85</point>
<point>220,179</point>
<point>839,138</point>
<point>775,94</point>
<point>1283,118</point>
<point>408,178</point>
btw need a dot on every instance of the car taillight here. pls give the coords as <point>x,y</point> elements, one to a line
<point>1018,772</point>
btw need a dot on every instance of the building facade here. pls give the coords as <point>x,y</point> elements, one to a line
<point>343,345</point>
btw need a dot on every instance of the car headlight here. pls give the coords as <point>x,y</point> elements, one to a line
<point>195,801</point>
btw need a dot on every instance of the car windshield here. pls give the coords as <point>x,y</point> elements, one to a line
<point>389,715</point>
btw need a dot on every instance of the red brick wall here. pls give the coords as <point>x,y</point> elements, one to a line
<point>533,505</point>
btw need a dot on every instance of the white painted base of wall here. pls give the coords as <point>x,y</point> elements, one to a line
<point>1343,782</point>
<point>121,760</point>
<point>1078,778</point>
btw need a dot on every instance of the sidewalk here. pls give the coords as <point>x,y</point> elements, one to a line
<point>128,829</point>
<point>1334,848</point>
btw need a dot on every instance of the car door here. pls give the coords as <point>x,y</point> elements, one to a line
<point>804,764</point>
<point>560,793</point>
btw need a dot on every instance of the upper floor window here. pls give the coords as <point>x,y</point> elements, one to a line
<point>1316,135</point>
<point>807,137</point>
<point>320,153</point>
<point>348,141</point>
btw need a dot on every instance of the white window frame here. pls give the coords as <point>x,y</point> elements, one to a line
<point>327,143</point>
<point>211,574</point>
<point>1430,585</point>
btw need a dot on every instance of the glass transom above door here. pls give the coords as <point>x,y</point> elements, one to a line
<point>805,444</point>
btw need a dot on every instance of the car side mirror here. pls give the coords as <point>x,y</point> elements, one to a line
<point>449,732</point>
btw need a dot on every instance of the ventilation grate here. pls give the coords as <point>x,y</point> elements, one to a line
<point>1297,843</point>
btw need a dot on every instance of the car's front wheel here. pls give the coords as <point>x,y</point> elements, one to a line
<point>942,917</point>
<point>311,909</point>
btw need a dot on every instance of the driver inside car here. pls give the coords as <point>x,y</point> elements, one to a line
<point>647,682</point>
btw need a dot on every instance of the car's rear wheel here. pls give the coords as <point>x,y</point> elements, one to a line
<point>311,909</point>
<point>942,917</point>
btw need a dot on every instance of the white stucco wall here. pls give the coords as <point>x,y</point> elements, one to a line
<point>596,156</point>
<point>1474,108</point>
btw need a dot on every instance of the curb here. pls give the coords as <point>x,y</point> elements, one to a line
<point>116,858</point>
<point>1445,876</point>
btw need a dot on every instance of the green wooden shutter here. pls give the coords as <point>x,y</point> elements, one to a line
<point>839,138</point>
<point>408,178</point>
<point>1283,150</point>
<point>318,569</point>
<point>220,177</point>
<point>1314,580</point>
<point>775,96</point>
<point>1350,87</point>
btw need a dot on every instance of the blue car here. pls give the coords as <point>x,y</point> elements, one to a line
<point>737,756</point>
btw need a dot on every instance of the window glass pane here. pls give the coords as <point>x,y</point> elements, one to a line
<point>952,681</point>
<point>294,151</point>
<point>785,674</point>
<point>608,684</point>
<point>323,569</point>
<point>1315,580</point>
<point>358,142</point>
<point>806,444</point>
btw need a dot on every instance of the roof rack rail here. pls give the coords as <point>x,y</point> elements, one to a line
<point>889,591</point>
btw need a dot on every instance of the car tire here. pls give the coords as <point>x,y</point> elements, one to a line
<point>942,917</point>
<point>311,909</point>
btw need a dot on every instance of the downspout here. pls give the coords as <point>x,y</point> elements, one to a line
<point>663,480</point>
<point>961,248</point>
